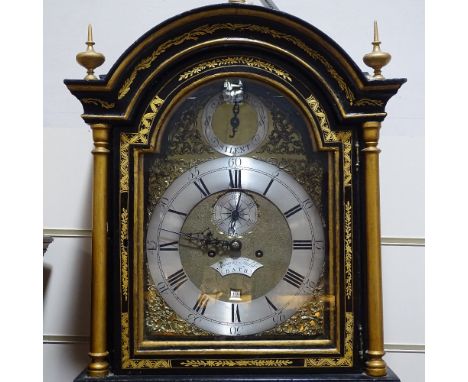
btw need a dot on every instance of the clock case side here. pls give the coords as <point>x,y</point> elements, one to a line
<point>224,33</point>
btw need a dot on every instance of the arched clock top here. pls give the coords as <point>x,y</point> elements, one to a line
<point>226,37</point>
<point>307,116</point>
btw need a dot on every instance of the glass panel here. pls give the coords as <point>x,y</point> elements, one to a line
<point>237,225</point>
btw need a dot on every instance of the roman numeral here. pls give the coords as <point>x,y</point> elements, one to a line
<point>200,305</point>
<point>235,179</point>
<point>271,304</point>
<point>166,246</point>
<point>177,212</point>
<point>235,316</point>
<point>177,279</point>
<point>302,244</point>
<point>292,211</point>
<point>202,187</point>
<point>294,278</point>
<point>268,187</point>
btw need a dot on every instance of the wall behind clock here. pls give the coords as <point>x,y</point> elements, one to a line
<point>68,143</point>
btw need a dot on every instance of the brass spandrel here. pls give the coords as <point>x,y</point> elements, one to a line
<point>161,320</point>
<point>308,320</point>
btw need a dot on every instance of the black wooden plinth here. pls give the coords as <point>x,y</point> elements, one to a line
<point>351,377</point>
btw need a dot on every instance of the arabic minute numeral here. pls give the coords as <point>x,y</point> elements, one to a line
<point>162,287</point>
<point>194,173</point>
<point>319,245</point>
<point>234,162</point>
<point>306,204</point>
<point>279,318</point>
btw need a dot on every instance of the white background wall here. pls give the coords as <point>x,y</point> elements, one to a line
<point>67,160</point>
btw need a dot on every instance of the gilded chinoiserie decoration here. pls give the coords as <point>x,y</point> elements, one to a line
<point>204,30</point>
<point>377,59</point>
<point>348,242</point>
<point>99,102</point>
<point>124,251</point>
<point>369,102</point>
<point>132,363</point>
<point>345,137</point>
<point>238,363</point>
<point>328,134</point>
<point>140,137</point>
<point>90,59</point>
<point>236,60</point>
<point>344,361</point>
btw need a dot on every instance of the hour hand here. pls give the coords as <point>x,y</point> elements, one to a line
<point>203,238</point>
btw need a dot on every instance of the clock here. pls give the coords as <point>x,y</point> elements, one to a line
<point>235,204</point>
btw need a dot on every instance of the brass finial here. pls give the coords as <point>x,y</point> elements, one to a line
<point>90,59</point>
<point>377,59</point>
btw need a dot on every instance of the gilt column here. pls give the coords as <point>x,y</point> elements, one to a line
<point>375,365</point>
<point>99,367</point>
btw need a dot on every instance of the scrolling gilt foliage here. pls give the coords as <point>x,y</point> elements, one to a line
<point>140,137</point>
<point>99,102</point>
<point>348,250</point>
<point>124,251</point>
<point>345,138</point>
<point>347,359</point>
<point>131,363</point>
<point>197,33</point>
<point>330,136</point>
<point>237,363</point>
<point>235,60</point>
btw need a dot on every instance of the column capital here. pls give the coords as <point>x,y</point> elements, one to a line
<point>101,135</point>
<point>371,135</point>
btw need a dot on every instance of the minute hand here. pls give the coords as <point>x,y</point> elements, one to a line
<point>203,238</point>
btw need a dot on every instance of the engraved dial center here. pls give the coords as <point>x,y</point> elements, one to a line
<point>236,266</point>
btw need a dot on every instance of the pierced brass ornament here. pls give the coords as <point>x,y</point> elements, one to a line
<point>377,59</point>
<point>90,59</point>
